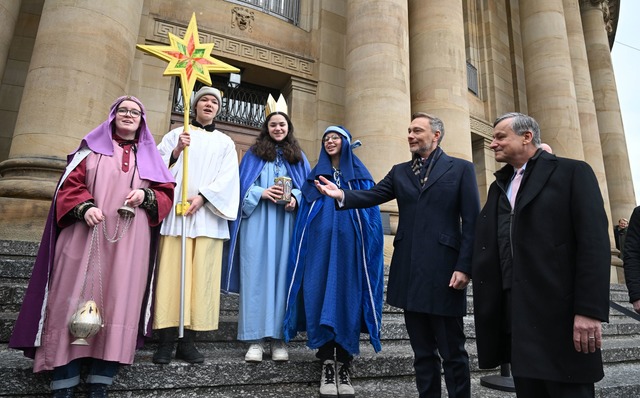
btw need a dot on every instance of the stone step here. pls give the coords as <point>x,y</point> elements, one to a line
<point>224,371</point>
<point>12,293</point>
<point>392,328</point>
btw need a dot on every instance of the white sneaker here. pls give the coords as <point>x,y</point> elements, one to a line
<point>279,351</point>
<point>345,389</point>
<point>254,353</point>
<point>328,387</point>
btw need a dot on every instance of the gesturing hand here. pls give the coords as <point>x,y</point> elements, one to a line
<point>330,189</point>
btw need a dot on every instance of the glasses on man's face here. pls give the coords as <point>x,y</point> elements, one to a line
<point>133,112</point>
<point>328,138</point>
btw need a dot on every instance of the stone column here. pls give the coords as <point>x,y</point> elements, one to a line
<point>586,108</point>
<point>81,62</point>
<point>614,145</point>
<point>9,10</point>
<point>377,95</point>
<point>551,93</point>
<point>377,102</point>
<point>439,69</point>
<point>301,97</point>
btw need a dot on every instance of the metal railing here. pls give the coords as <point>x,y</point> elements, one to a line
<point>287,9</point>
<point>243,105</point>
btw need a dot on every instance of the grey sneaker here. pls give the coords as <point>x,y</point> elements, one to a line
<point>345,389</point>
<point>328,388</point>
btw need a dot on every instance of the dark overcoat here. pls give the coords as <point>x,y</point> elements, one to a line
<point>632,256</point>
<point>561,264</point>
<point>434,236</point>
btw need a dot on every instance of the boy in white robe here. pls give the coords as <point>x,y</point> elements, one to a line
<point>213,196</point>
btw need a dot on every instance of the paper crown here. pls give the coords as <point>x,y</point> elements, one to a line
<point>273,106</point>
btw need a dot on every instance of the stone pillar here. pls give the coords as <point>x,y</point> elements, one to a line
<point>9,10</point>
<point>586,107</point>
<point>614,145</point>
<point>81,62</point>
<point>439,69</point>
<point>551,93</point>
<point>301,97</point>
<point>485,165</point>
<point>377,96</point>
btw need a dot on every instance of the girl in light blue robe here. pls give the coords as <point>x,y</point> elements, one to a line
<point>258,250</point>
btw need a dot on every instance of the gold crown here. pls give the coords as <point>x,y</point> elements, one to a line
<point>279,106</point>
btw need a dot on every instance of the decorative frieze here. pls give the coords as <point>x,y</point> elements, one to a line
<point>481,127</point>
<point>250,52</point>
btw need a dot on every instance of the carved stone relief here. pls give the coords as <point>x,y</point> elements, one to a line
<point>242,18</point>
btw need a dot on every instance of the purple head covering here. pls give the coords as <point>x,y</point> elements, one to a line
<point>150,163</point>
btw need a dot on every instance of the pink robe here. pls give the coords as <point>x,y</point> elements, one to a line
<point>124,265</point>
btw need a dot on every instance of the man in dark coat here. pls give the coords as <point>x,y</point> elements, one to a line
<point>632,259</point>
<point>438,203</point>
<point>619,235</point>
<point>541,268</point>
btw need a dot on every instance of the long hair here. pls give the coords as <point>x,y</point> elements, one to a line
<point>265,146</point>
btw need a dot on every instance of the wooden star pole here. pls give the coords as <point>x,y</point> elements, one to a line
<point>192,61</point>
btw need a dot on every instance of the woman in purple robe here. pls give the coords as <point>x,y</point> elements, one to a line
<point>91,252</point>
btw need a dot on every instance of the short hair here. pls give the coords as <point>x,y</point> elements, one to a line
<point>522,123</point>
<point>435,123</point>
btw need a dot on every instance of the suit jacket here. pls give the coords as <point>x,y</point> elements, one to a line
<point>561,260</point>
<point>435,233</point>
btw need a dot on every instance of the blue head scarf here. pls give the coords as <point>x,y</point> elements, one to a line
<point>351,168</point>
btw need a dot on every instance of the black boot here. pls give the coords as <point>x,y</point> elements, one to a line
<point>97,390</point>
<point>165,349</point>
<point>63,393</point>
<point>187,349</point>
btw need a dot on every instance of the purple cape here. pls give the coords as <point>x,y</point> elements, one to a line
<point>99,140</point>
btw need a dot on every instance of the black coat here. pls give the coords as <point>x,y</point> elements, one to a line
<point>632,256</point>
<point>435,233</point>
<point>561,266</point>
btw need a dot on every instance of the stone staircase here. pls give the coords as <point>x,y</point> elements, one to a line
<point>225,374</point>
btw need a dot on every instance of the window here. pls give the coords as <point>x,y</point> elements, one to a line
<point>472,78</point>
<point>286,9</point>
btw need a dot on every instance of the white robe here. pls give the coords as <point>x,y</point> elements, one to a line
<point>213,172</point>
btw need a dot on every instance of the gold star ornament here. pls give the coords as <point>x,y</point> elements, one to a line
<point>189,59</point>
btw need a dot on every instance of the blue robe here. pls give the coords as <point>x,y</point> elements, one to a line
<point>336,276</point>
<point>256,267</point>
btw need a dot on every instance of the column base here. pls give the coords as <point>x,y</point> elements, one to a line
<point>23,219</point>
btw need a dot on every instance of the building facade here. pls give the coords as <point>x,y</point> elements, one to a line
<point>365,64</point>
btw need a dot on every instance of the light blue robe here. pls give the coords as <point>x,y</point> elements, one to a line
<point>266,231</point>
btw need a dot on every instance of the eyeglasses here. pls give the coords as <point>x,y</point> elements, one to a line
<point>133,112</point>
<point>328,138</point>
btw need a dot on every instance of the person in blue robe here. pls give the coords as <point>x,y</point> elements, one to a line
<point>335,278</point>
<point>258,250</point>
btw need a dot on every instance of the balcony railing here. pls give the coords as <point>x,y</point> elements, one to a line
<point>242,106</point>
<point>287,9</point>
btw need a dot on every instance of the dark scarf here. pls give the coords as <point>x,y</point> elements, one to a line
<point>422,167</point>
<point>208,127</point>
